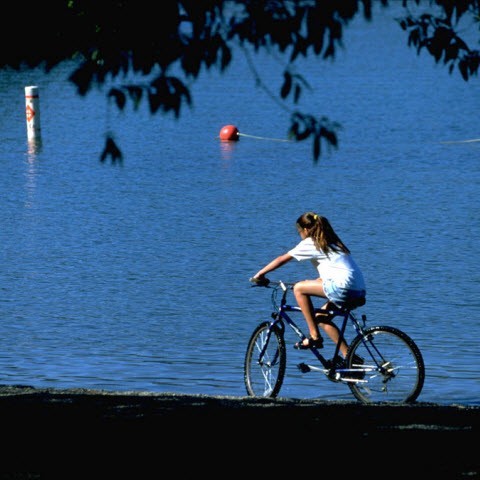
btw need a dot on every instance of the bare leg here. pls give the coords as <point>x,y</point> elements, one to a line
<point>334,333</point>
<point>303,291</point>
<point>330,328</point>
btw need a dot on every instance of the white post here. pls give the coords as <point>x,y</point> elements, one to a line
<point>32,111</point>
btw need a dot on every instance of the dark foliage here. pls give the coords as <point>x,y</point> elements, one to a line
<point>436,33</point>
<point>138,44</point>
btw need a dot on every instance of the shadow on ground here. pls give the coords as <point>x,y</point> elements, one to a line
<point>79,433</point>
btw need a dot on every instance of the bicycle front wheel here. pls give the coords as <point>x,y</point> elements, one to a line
<point>389,364</point>
<point>265,361</point>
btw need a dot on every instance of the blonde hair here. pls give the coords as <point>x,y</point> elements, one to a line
<point>322,232</point>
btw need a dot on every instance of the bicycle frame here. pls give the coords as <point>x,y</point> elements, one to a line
<point>382,362</point>
<point>281,316</point>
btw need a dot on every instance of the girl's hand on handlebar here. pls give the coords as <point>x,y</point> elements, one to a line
<point>260,282</point>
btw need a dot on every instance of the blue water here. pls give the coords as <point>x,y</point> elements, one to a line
<point>135,276</point>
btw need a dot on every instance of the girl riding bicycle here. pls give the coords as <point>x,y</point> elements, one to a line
<point>340,278</point>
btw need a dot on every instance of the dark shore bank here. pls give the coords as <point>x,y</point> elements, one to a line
<point>77,433</point>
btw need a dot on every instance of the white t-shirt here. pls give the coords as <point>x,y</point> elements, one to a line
<point>338,267</point>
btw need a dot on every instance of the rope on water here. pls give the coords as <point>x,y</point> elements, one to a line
<point>264,138</point>
<point>464,141</point>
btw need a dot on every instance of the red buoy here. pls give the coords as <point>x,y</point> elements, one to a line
<point>229,132</point>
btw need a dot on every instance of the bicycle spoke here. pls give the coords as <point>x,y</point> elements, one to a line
<point>393,369</point>
<point>264,376</point>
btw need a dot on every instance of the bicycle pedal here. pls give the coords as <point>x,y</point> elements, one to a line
<point>303,367</point>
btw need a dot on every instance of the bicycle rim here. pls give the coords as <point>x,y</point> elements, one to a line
<point>264,377</point>
<point>393,368</point>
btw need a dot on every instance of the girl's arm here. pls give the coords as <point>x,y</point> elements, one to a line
<point>273,265</point>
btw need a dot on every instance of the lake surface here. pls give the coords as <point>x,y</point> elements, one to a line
<point>135,276</point>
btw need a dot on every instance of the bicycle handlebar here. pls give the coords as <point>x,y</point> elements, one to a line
<point>265,282</point>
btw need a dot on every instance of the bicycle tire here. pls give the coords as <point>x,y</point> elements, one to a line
<point>265,379</point>
<point>393,368</point>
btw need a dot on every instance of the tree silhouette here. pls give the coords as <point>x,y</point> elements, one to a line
<point>139,44</point>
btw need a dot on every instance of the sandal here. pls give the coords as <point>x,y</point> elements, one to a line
<point>336,362</point>
<point>311,343</point>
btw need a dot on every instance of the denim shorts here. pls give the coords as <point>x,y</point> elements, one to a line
<point>340,295</point>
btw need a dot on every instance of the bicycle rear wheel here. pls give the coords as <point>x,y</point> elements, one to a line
<point>392,368</point>
<point>264,377</point>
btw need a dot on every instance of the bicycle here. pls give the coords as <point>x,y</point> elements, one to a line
<point>383,364</point>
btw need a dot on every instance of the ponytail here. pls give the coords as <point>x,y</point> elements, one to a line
<point>322,233</point>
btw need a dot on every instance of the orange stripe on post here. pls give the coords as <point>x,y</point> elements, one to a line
<point>32,112</point>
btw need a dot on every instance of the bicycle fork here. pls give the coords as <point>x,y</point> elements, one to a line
<point>276,323</point>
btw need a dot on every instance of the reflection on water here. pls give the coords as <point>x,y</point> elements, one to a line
<point>227,149</point>
<point>34,148</point>
<point>33,152</point>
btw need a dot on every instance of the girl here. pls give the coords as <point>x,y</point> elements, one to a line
<point>339,279</point>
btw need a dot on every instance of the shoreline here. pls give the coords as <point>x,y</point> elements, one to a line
<point>60,432</point>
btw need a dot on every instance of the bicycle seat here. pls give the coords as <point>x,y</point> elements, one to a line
<point>354,303</point>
